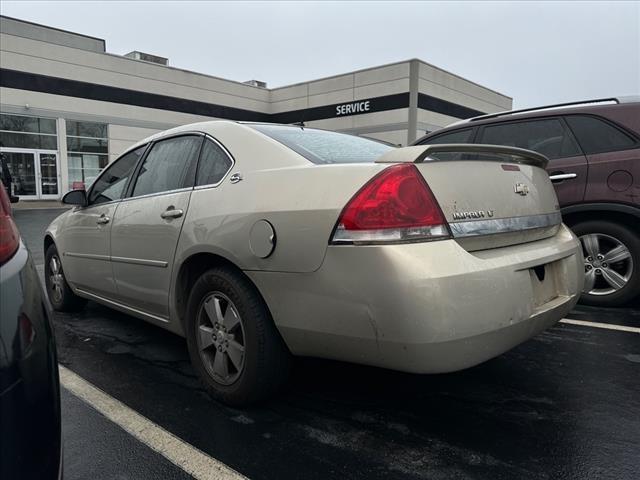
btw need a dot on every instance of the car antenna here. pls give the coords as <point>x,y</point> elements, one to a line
<point>301,122</point>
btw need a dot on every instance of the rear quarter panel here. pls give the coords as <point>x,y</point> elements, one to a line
<point>301,203</point>
<point>614,177</point>
<point>301,200</point>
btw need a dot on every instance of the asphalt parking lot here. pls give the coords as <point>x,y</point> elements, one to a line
<point>563,405</point>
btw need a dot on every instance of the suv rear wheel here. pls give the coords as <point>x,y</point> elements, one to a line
<point>233,342</point>
<point>612,263</point>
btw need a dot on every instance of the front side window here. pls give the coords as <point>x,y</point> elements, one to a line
<point>320,146</point>
<point>547,137</point>
<point>213,165</point>
<point>169,165</point>
<point>87,147</point>
<point>111,184</point>
<point>597,136</point>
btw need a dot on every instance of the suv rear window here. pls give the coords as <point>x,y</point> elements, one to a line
<point>320,146</point>
<point>597,136</point>
<point>459,136</point>
<point>547,137</point>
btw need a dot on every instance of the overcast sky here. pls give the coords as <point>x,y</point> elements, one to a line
<point>537,53</point>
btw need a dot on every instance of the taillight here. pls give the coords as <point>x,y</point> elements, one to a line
<point>396,205</point>
<point>9,236</point>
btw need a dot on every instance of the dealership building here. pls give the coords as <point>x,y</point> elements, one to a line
<point>68,108</point>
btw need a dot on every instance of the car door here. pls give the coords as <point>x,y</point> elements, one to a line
<point>568,168</point>
<point>613,156</point>
<point>148,223</point>
<point>85,240</point>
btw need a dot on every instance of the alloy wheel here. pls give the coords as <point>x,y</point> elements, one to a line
<point>608,264</point>
<point>221,338</point>
<point>56,278</point>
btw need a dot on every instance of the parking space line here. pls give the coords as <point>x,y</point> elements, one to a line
<point>608,326</point>
<point>190,459</point>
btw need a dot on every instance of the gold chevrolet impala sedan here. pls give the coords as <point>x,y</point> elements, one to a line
<point>257,242</point>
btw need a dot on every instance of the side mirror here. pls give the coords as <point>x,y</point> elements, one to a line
<point>75,197</point>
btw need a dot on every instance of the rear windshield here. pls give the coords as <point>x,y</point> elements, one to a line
<point>320,146</point>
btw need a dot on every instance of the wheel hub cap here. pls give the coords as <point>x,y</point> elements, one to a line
<point>56,278</point>
<point>221,339</point>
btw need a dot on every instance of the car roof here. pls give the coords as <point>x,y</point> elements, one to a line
<point>595,106</point>
<point>210,127</point>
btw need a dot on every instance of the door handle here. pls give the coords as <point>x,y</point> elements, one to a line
<point>559,176</point>
<point>103,220</point>
<point>172,213</point>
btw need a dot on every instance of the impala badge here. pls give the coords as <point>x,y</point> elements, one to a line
<point>521,189</point>
<point>473,214</point>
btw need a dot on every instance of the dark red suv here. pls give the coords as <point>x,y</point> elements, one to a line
<point>594,153</point>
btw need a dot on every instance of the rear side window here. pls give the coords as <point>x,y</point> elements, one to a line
<point>320,146</point>
<point>597,136</point>
<point>548,137</point>
<point>168,166</point>
<point>213,165</point>
<point>110,185</point>
<point>459,136</point>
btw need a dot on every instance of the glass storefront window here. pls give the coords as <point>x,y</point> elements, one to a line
<point>94,145</point>
<point>21,140</point>
<point>18,131</point>
<point>20,123</point>
<point>86,129</point>
<point>84,168</point>
<point>29,146</point>
<point>87,152</point>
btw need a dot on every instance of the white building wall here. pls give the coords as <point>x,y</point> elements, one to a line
<point>340,89</point>
<point>451,87</point>
<point>121,137</point>
<point>66,56</point>
<point>64,62</point>
<point>396,137</point>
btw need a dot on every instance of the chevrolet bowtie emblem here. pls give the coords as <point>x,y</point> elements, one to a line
<point>521,189</point>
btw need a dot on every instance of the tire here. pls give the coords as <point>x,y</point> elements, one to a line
<point>60,294</point>
<point>608,289</point>
<point>215,335</point>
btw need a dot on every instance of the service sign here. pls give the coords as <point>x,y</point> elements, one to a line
<point>353,108</point>
<point>346,109</point>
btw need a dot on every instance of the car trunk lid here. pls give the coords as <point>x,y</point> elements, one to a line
<point>492,196</point>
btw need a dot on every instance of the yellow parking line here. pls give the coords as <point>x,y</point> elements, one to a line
<point>190,459</point>
<point>608,326</point>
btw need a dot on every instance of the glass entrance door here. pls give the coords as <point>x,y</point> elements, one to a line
<point>48,169</point>
<point>22,166</point>
<point>34,173</point>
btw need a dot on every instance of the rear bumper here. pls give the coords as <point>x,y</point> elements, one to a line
<point>30,391</point>
<point>424,307</point>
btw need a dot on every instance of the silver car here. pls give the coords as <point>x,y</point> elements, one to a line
<point>259,241</point>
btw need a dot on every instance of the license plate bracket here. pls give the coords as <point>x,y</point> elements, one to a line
<point>544,283</point>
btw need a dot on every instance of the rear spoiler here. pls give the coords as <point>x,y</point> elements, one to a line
<point>421,153</point>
